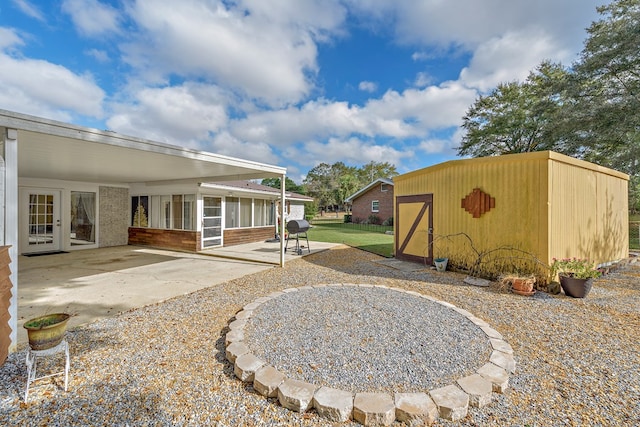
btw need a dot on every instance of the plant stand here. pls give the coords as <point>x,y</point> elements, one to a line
<point>32,360</point>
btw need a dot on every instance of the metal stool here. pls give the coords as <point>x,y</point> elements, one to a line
<point>32,356</point>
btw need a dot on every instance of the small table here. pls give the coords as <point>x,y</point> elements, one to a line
<point>32,358</point>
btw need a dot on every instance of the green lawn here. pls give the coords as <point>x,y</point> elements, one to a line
<point>378,243</point>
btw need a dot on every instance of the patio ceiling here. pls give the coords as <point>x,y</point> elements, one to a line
<point>54,150</point>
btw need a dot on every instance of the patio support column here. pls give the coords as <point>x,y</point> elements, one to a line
<point>10,235</point>
<point>282,223</point>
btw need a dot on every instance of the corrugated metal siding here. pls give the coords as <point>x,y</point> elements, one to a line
<point>543,206</point>
<point>589,214</point>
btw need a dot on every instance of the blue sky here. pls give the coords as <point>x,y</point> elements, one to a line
<point>286,82</point>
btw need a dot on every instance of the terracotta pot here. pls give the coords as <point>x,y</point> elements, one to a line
<point>576,288</point>
<point>522,286</point>
<point>46,331</point>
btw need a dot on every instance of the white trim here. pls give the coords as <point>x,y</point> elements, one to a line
<point>11,228</point>
<point>375,210</point>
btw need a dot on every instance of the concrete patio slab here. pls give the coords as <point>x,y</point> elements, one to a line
<point>98,283</point>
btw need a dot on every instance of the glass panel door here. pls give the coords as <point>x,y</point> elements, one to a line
<point>211,222</point>
<point>42,231</point>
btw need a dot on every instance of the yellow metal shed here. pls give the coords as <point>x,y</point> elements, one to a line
<point>512,212</point>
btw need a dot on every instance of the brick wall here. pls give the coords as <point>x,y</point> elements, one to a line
<point>239,236</point>
<point>181,240</point>
<point>361,208</point>
<point>114,216</point>
<point>5,302</point>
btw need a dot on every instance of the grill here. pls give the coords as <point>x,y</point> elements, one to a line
<point>297,227</point>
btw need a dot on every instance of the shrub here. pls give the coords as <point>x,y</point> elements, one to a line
<point>347,218</point>
<point>388,222</point>
<point>374,219</point>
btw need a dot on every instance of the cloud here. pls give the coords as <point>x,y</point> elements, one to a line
<point>509,57</point>
<point>228,145</point>
<point>352,150</point>
<point>39,87</point>
<point>184,115</point>
<point>249,46</point>
<point>29,9</point>
<point>368,86</point>
<point>91,17</point>
<point>99,55</point>
<point>9,38</point>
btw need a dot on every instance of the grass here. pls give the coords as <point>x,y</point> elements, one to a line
<point>370,241</point>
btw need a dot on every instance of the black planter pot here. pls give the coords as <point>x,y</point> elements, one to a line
<point>576,288</point>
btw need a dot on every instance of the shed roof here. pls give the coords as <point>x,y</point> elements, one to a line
<point>54,150</point>
<point>519,157</point>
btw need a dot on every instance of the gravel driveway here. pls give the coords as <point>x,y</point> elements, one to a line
<point>578,360</point>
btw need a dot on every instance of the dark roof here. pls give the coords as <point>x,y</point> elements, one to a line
<point>253,186</point>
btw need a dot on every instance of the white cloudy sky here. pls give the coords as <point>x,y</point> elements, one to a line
<point>286,82</point>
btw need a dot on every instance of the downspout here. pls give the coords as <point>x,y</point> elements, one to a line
<point>282,224</point>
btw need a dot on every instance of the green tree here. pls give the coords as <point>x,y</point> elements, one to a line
<point>290,184</point>
<point>515,117</point>
<point>601,116</point>
<point>319,183</point>
<point>374,170</point>
<point>331,184</point>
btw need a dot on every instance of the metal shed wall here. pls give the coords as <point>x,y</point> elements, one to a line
<point>546,204</point>
<point>588,211</point>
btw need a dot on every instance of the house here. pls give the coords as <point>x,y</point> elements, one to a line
<point>68,187</point>
<point>375,199</point>
<point>233,212</point>
<point>517,211</point>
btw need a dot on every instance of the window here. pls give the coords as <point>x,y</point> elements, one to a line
<point>258,213</point>
<point>231,212</point>
<point>271,213</point>
<point>384,188</point>
<point>375,206</point>
<point>177,211</point>
<point>140,211</point>
<point>245,212</point>
<point>83,218</point>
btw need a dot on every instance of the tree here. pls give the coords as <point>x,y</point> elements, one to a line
<point>319,184</point>
<point>331,184</point>
<point>290,184</point>
<point>374,170</point>
<point>601,118</point>
<point>515,117</point>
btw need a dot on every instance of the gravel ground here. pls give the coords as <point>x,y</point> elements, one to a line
<point>164,365</point>
<point>366,340</point>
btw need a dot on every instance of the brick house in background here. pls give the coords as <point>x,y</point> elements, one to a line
<point>374,199</point>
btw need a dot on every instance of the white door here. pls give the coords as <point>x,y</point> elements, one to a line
<point>211,222</point>
<point>39,220</point>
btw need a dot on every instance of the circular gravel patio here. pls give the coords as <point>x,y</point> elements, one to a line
<point>366,339</point>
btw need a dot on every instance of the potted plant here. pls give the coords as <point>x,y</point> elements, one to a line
<point>441,264</point>
<point>46,331</point>
<point>521,285</point>
<point>575,275</point>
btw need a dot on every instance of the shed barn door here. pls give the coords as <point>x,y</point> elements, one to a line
<point>414,228</point>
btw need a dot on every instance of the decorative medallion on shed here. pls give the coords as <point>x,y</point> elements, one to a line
<point>478,202</point>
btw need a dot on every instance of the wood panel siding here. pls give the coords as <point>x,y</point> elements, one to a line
<point>239,236</point>
<point>182,240</point>
<point>5,301</point>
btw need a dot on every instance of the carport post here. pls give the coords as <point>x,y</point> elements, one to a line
<point>282,224</point>
<point>10,234</point>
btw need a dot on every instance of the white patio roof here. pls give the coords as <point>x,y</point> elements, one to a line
<point>55,150</point>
